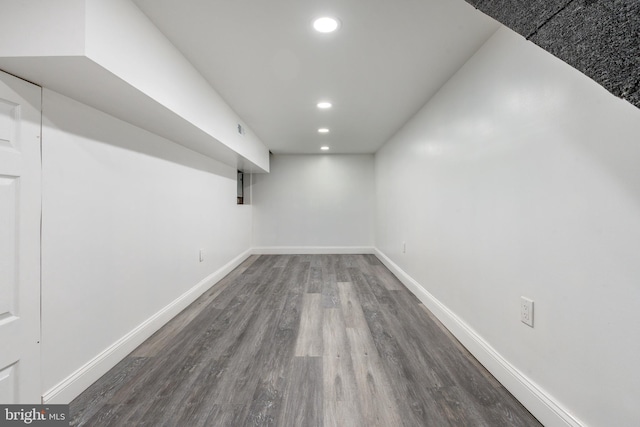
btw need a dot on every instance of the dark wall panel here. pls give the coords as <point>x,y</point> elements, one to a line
<point>522,16</point>
<point>601,38</point>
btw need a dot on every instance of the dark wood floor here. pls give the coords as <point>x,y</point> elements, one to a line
<point>301,340</point>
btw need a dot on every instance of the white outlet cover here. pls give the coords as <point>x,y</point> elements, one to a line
<point>526,311</point>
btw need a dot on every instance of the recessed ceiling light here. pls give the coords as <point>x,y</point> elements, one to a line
<point>326,24</point>
<point>324,105</point>
<point>323,130</point>
<point>324,148</point>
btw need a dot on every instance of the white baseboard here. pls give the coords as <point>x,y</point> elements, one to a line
<point>543,406</point>
<point>69,388</point>
<point>313,250</point>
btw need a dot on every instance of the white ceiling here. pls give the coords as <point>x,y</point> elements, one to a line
<point>264,58</point>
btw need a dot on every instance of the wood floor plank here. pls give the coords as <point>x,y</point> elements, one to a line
<point>315,280</point>
<point>509,411</point>
<point>372,259</point>
<point>342,274</point>
<point>100,393</point>
<point>460,366</point>
<point>456,408</point>
<point>182,320</point>
<point>341,401</point>
<point>351,310</point>
<point>330,297</point>
<point>308,340</point>
<point>310,334</point>
<point>378,403</point>
<point>227,330</point>
<point>241,386</point>
<point>213,386</point>
<point>464,376</point>
<point>168,381</point>
<point>200,403</point>
<point>381,293</point>
<point>277,353</point>
<point>281,260</point>
<point>246,365</point>
<point>379,406</point>
<point>410,374</point>
<point>411,377</point>
<point>361,288</point>
<point>106,416</point>
<point>222,416</point>
<point>390,281</point>
<point>302,400</point>
<point>454,341</point>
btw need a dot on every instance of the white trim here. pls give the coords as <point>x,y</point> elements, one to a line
<point>540,403</point>
<point>69,388</point>
<point>306,250</point>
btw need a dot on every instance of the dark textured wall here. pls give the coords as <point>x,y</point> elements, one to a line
<point>601,38</point>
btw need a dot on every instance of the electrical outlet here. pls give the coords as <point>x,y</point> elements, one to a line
<point>526,311</point>
<point>404,247</point>
<point>201,255</point>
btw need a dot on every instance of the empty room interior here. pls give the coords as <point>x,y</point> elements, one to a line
<point>419,212</point>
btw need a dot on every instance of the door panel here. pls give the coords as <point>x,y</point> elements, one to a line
<point>8,243</point>
<point>8,137</point>
<point>20,210</point>
<point>8,384</point>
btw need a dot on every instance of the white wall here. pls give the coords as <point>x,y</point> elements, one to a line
<point>125,213</point>
<point>133,73</point>
<point>314,201</point>
<point>43,28</point>
<point>164,74</point>
<point>521,178</point>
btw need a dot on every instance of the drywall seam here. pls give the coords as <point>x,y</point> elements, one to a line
<point>542,405</point>
<point>69,388</point>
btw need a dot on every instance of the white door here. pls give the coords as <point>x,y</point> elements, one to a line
<point>20,118</point>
